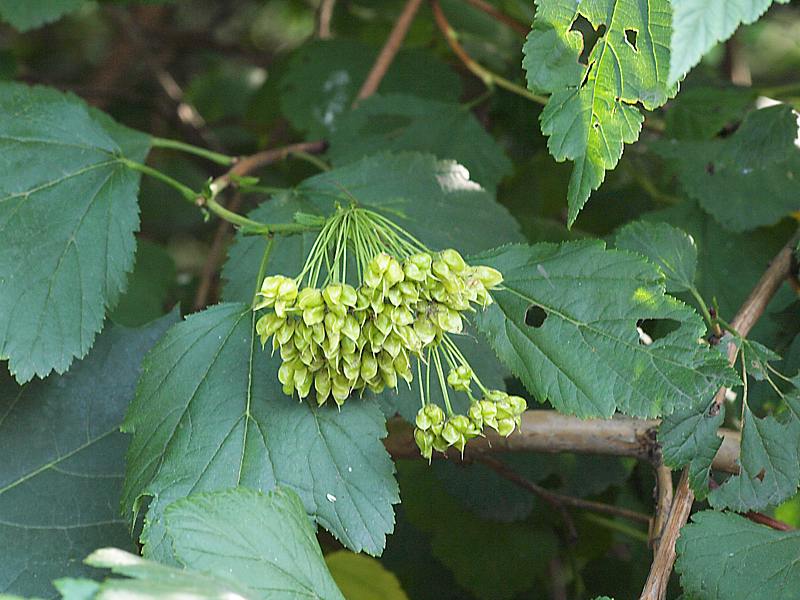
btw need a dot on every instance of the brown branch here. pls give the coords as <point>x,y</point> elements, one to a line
<point>655,587</point>
<point>551,432</point>
<point>243,166</point>
<point>664,495</point>
<point>497,14</point>
<point>389,50</point>
<point>561,500</point>
<point>758,517</point>
<point>324,17</point>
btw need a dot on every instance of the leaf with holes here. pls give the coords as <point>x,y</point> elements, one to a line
<point>68,212</point>
<point>722,556</point>
<point>746,180</point>
<point>565,323</point>
<point>770,462</point>
<point>400,122</point>
<point>61,476</point>
<point>263,542</point>
<point>209,414</point>
<point>697,25</point>
<point>591,113</point>
<point>672,249</point>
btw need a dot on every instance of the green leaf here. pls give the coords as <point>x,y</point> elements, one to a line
<point>728,264</point>
<point>432,199</point>
<point>699,24</point>
<point>263,542</point>
<point>770,462</point>
<point>689,437</point>
<point>701,113</point>
<point>209,414</point>
<point>672,249</point>
<point>61,476</point>
<point>722,556</point>
<point>35,13</point>
<point>322,79</point>
<point>363,578</point>
<point>578,346</point>
<point>148,580</point>
<point>67,216</point>
<point>148,287</point>
<point>398,122</point>
<point>747,180</point>
<point>591,113</point>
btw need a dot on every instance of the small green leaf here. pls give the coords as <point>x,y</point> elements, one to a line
<point>398,122</point>
<point>67,216</point>
<point>672,249</point>
<point>263,542</point>
<point>363,578</point>
<point>697,25</point>
<point>61,476</point>
<point>209,414</point>
<point>770,463</point>
<point>689,437</point>
<point>747,180</point>
<point>722,556</point>
<point>565,323</point>
<point>322,79</point>
<point>592,111</point>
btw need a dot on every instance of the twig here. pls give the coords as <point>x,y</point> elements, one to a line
<point>324,16</point>
<point>493,12</point>
<point>558,583</point>
<point>389,50</point>
<point>243,166</point>
<point>489,78</point>
<point>758,517</point>
<point>551,432</point>
<point>655,587</point>
<point>554,498</point>
<point>664,494</point>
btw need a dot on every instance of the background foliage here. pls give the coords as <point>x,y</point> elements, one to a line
<point>141,424</point>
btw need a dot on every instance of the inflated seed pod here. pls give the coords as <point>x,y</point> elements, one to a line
<point>460,378</point>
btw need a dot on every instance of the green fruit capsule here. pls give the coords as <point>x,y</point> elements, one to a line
<point>369,366</point>
<point>505,427</point>
<point>453,260</point>
<point>322,386</point>
<point>309,298</point>
<point>394,273</point>
<point>488,276</point>
<point>424,440</point>
<point>313,316</point>
<point>449,320</point>
<point>425,329</point>
<point>267,325</point>
<point>518,405</point>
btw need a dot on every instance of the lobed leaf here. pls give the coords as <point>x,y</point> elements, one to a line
<point>591,113</point>
<point>68,212</point>
<point>209,414</point>
<point>565,323</point>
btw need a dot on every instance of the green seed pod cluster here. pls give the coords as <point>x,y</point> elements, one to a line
<point>341,339</point>
<point>496,409</point>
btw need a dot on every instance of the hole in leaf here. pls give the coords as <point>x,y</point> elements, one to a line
<point>535,316</point>
<point>710,168</point>
<point>590,36</point>
<point>651,330</point>
<point>630,37</point>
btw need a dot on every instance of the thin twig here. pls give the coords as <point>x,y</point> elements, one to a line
<point>561,502</point>
<point>664,494</point>
<point>489,78</point>
<point>497,14</point>
<point>655,587</point>
<point>243,166</point>
<point>324,17</point>
<point>389,50</point>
